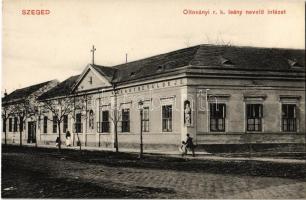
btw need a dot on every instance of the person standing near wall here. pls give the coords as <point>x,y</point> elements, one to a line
<point>68,139</point>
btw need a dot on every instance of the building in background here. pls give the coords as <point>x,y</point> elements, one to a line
<point>227,98</point>
<point>20,113</point>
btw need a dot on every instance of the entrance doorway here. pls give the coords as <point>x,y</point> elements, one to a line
<point>31,132</point>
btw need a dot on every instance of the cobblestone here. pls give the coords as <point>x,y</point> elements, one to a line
<point>168,183</point>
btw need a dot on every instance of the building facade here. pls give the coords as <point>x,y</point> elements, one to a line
<point>225,97</point>
<point>20,113</point>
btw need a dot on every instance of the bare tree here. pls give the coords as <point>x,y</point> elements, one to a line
<point>21,110</point>
<point>115,118</point>
<point>79,104</point>
<point>7,111</point>
<point>24,109</point>
<point>218,40</point>
<point>59,107</point>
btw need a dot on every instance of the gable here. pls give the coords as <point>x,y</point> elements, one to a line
<point>92,79</point>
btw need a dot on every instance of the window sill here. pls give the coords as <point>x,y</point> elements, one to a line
<point>128,133</point>
<point>150,133</point>
<point>220,133</point>
<point>217,132</point>
<point>289,132</point>
<point>250,132</point>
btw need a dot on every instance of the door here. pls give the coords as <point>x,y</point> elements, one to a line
<point>31,132</point>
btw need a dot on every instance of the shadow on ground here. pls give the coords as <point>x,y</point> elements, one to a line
<point>112,159</point>
<point>20,182</point>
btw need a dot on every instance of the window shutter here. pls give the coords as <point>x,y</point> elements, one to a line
<point>170,112</point>
<point>100,115</point>
<point>253,109</point>
<point>210,109</point>
<point>294,111</point>
<point>283,111</point>
<point>224,110</point>
<point>249,111</point>
<point>260,111</point>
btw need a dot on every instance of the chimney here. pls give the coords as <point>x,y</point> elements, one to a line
<point>5,93</point>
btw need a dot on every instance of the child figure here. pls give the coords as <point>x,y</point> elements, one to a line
<point>68,136</point>
<point>183,148</point>
<point>57,141</point>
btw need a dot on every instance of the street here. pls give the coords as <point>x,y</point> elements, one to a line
<point>50,174</point>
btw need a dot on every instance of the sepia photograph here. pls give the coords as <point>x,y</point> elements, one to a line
<point>143,99</point>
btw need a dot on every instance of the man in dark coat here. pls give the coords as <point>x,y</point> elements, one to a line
<point>189,144</point>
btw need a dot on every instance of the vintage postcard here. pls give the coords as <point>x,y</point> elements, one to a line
<point>197,99</point>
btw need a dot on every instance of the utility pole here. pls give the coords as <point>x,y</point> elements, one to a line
<point>116,145</point>
<point>207,111</point>
<point>141,116</point>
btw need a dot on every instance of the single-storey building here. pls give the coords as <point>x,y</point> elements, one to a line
<point>20,113</point>
<point>223,96</point>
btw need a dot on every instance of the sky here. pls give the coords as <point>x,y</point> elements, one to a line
<point>38,48</point>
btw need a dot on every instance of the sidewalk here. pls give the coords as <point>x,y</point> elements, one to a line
<point>199,155</point>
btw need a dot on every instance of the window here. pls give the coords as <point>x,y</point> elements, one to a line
<point>90,80</point>
<point>39,122</point>
<point>21,124</point>
<point>167,118</point>
<point>45,124</point>
<point>3,125</point>
<point>125,120</point>
<point>54,124</point>
<point>217,117</point>
<point>15,124</point>
<point>78,123</point>
<point>91,119</point>
<point>254,117</point>
<point>145,119</point>
<point>65,123</point>
<point>103,124</point>
<point>10,124</point>
<point>289,117</point>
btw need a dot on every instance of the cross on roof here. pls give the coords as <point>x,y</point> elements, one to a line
<point>93,54</point>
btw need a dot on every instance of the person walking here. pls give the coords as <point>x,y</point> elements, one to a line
<point>189,144</point>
